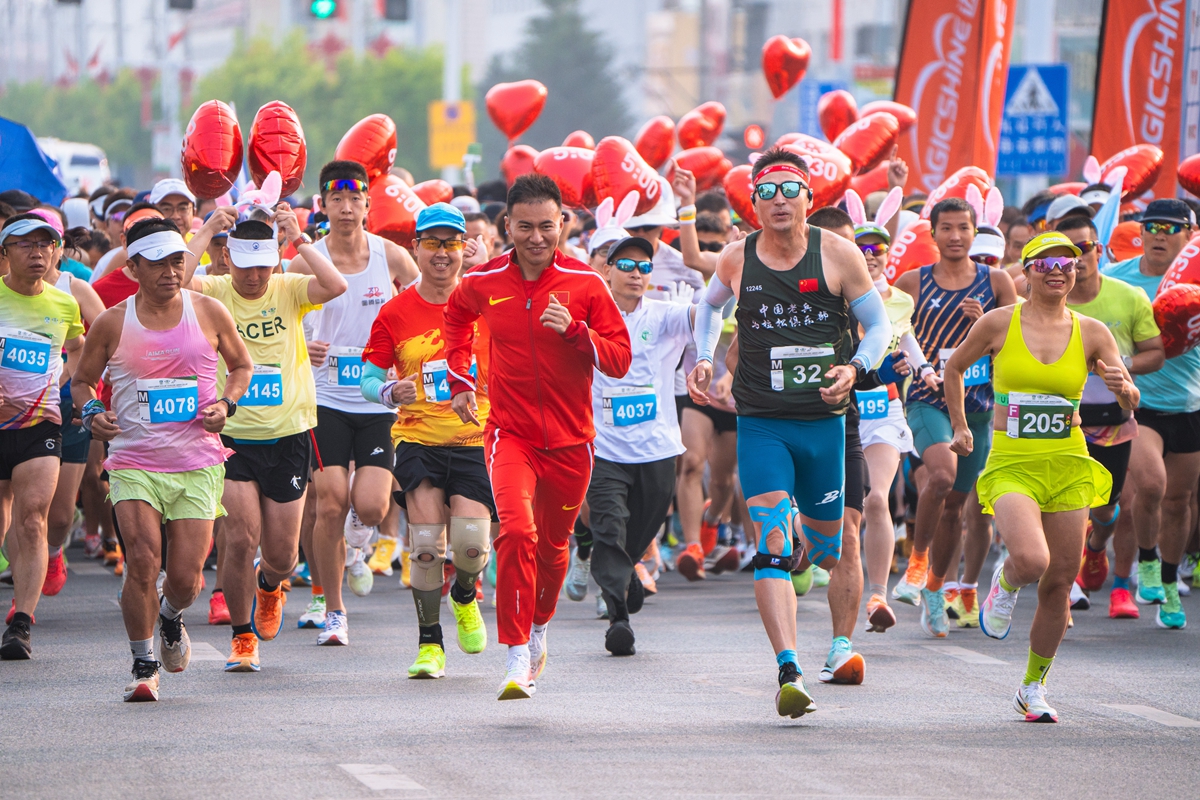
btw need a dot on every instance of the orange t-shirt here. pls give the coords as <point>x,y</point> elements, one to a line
<point>407,335</point>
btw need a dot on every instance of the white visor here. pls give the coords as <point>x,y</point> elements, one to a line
<point>157,246</point>
<point>247,253</point>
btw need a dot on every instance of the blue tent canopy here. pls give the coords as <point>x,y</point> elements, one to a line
<point>24,166</point>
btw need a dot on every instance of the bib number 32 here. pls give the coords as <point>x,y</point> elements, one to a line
<point>800,369</point>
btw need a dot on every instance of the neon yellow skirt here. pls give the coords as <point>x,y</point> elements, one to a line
<point>1058,475</point>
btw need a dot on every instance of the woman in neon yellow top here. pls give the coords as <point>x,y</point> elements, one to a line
<point>1039,480</point>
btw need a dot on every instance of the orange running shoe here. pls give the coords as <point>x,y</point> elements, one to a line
<point>908,589</point>
<point>113,557</point>
<point>267,613</point>
<point>690,562</point>
<point>218,611</point>
<point>1121,605</point>
<point>1093,570</point>
<point>879,616</point>
<point>56,576</point>
<point>244,657</point>
<point>708,531</point>
<point>119,569</point>
<point>643,574</point>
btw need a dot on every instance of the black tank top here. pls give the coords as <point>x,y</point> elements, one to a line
<point>791,330</point>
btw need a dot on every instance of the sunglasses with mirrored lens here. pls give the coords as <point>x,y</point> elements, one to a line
<point>344,185</point>
<point>629,265</point>
<point>1168,228</point>
<point>876,249</point>
<point>711,247</point>
<point>433,244</point>
<point>985,259</point>
<point>1046,265</point>
<point>790,189</point>
<point>1087,246</point>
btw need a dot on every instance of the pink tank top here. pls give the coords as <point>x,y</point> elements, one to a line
<point>161,380</point>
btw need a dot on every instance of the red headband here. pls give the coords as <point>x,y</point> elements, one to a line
<point>783,167</point>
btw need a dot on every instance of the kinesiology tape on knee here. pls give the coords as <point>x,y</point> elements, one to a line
<point>470,542</point>
<point>777,518</point>
<point>427,544</point>
<point>823,546</point>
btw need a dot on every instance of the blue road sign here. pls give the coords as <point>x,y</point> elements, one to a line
<point>1033,135</point>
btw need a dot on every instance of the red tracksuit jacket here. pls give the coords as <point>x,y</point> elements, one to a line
<point>539,382</point>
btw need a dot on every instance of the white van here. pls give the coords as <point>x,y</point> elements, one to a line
<point>80,166</point>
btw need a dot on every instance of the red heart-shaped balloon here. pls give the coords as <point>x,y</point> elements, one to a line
<point>784,62</point>
<point>212,150</point>
<point>1189,174</point>
<point>276,144</point>
<point>1185,268</point>
<point>656,140</point>
<point>739,191</point>
<point>956,186</point>
<point>580,139</point>
<point>708,164</point>
<point>618,169</point>
<point>754,137</point>
<point>571,169</point>
<point>903,114</point>
<point>913,248</point>
<point>829,170</point>
<point>701,126</point>
<point>372,143</point>
<point>836,111</point>
<point>517,161</point>
<point>1177,312</point>
<point>1145,163</point>
<point>868,141</point>
<point>874,180</point>
<point>394,210</point>
<point>434,191</point>
<point>514,107</point>
<point>1126,241</point>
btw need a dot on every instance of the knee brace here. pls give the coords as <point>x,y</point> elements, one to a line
<point>470,542</point>
<point>822,546</point>
<point>427,544</point>
<point>766,564</point>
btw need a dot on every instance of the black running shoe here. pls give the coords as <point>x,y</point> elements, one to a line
<point>618,639</point>
<point>787,672</point>
<point>15,644</point>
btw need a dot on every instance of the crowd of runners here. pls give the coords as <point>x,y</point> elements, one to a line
<point>241,405</point>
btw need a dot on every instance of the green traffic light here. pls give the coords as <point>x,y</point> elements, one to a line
<point>323,9</point>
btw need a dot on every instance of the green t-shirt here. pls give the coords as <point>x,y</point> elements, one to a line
<point>1127,312</point>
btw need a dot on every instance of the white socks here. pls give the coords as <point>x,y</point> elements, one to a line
<point>143,650</point>
<point>167,610</point>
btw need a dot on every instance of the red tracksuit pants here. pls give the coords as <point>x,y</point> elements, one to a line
<point>538,494</point>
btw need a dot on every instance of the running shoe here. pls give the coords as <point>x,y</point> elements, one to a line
<point>218,611</point>
<point>1079,601</point>
<point>360,577</point>
<point>709,531</point>
<point>12,610</point>
<point>1093,568</point>
<point>406,569</point>
<point>301,575</point>
<point>995,618</point>
<point>243,656</point>
<point>357,534</point>
<point>267,611</point>
<point>968,609</point>
<point>580,571</point>
<point>174,644</point>
<point>337,630</point>
<point>601,607</point>
<point>843,664</point>
<point>793,699</point>
<point>537,653</point>
<point>144,686</point>
<point>649,585</point>
<point>112,554</point>
<point>15,645</point>
<point>490,571</point>
<point>879,616</point>
<point>934,621</point>
<point>1031,701</point>
<point>314,615</point>
<point>430,663</point>
<point>820,577</point>
<point>1150,585</point>
<point>1121,605</point>
<point>381,559</point>
<point>723,559</point>
<point>1190,567</point>
<point>1184,589</point>
<point>472,632</point>
<point>618,639</point>
<point>448,575</point>
<point>119,567</point>
<point>56,575</point>
<point>690,562</point>
<point>802,580</point>
<point>1170,613</point>
<point>950,594</point>
<point>517,683</point>
<point>92,546</point>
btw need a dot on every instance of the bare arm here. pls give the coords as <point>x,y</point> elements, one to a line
<point>1104,359</point>
<point>222,220</point>
<point>684,185</point>
<point>1150,356</point>
<point>400,264</point>
<point>102,340</point>
<point>1003,287</point>
<point>326,282</point>
<point>984,338</point>
<point>90,304</point>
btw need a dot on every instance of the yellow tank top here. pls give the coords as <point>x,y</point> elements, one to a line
<point>1017,370</point>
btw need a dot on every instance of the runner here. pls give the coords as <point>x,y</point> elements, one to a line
<point>539,430</point>
<point>1165,461</point>
<point>950,295</point>
<point>38,323</point>
<point>266,477</point>
<point>349,428</point>
<point>1109,429</point>
<point>1039,480</point>
<point>792,385</point>
<point>439,458</point>
<point>166,460</point>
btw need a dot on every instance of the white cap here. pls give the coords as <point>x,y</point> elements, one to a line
<point>157,246</point>
<point>1094,196</point>
<point>603,237</point>
<point>246,253</point>
<point>663,212</point>
<point>988,242</point>
<point>466,204</point>
<point>1065,204</point>
<point>169,186</point>
<point>76,211</point>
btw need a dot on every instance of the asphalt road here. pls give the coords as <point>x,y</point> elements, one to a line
<point>691,715</point>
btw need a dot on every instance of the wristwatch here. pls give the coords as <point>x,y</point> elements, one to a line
<point>303,238</point>
<point>230,406</point>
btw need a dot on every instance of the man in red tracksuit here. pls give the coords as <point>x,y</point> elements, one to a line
<point>552,320</point>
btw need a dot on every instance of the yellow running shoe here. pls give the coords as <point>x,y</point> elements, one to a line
<point>405,569</point>
<point>968,608</point>
<point>381,559</point>
<point>430,663</point>
<point>472,631</point>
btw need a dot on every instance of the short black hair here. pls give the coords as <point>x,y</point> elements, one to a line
<point>101,190</point>
<point>1012,216</point>
<point>1076,222</point>
<point>950,204</point>
<point>6,211</point>
<point>707,222</point>
<point>1042,198</point>
<point>477,216</point>
<point>19,200</point>
<point>1097,187</point>
<point>145,227</point>
<point>830,218</point>
<point>491,192</point>
<point>1019,221</point>
<point>252,229</point>
<point>534,188</point>
<point>140,207</point>
<point>341,171</point>
<point>82,238</point>
<point>713,201</point>
<point>461,191</point>
<point>778,155</point>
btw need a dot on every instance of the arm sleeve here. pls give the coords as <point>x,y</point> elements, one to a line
<point>708,318</point>
<point>374,385</point>
<point>912,349</point>
<point>459,335</point>
<point>603,337</point>
<point>877,329</point>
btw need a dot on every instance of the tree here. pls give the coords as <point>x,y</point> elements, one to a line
<point>575,64</point>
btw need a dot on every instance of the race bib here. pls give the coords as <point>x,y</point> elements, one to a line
<point>266,387</point>
<point>435,381</point>
<point>873,404</point>
<point>628,405</point>
<point>345,366</point>
<point>1039,416</point>
<point>978,374</point>
<point>168,399</point>
<point>800,368</point>
<point>25,351</point>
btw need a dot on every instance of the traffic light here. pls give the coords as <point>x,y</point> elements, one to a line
<point>395,10</point>
<point>323,9</point>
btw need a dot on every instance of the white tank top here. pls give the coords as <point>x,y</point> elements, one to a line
<point>345,322</point>
<point>63,284</point>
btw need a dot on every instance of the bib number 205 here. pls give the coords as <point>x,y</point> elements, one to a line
<point>1038,416</point>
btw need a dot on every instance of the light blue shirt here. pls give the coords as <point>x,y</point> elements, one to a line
<point>1176,387</point>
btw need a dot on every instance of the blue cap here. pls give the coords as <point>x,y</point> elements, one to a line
<point>441,215</point>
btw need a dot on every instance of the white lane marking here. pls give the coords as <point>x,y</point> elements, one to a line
<point>1156,715</point>
<point>82,568</point>
<point>381,777</point>
<point>203,651</point>
<point>962,654</point>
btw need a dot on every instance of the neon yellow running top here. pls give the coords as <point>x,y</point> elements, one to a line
<point>1017,370</point>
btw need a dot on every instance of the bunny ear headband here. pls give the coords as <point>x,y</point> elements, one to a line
<point>887,210</point>
<point>610,225</point>
<point>264,198</point>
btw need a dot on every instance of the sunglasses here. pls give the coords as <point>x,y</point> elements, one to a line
<point>628,265</point>
<point>876,249</point>
<point>985,260</point>
<point>1168,228</point>
<point>433,244</point>
<point>711,247</point>
<point>1087,246</point>
<point>1043,266</point>
<point>790,189</point>
<point>344,185</point>
<point>644,229</point>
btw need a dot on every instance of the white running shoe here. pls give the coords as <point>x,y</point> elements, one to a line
<point>337,631</point>
<point>537,653</point>
<point>601,606</point>
<point>360,576</point>
<point>1031,701</point>
<point>174,644</point>
<point>995,613</point>
<point>1079,600</point>
<point>314,615</point>
<point>576,584</point>
<point>517,685</point>
<point>357,534</point>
